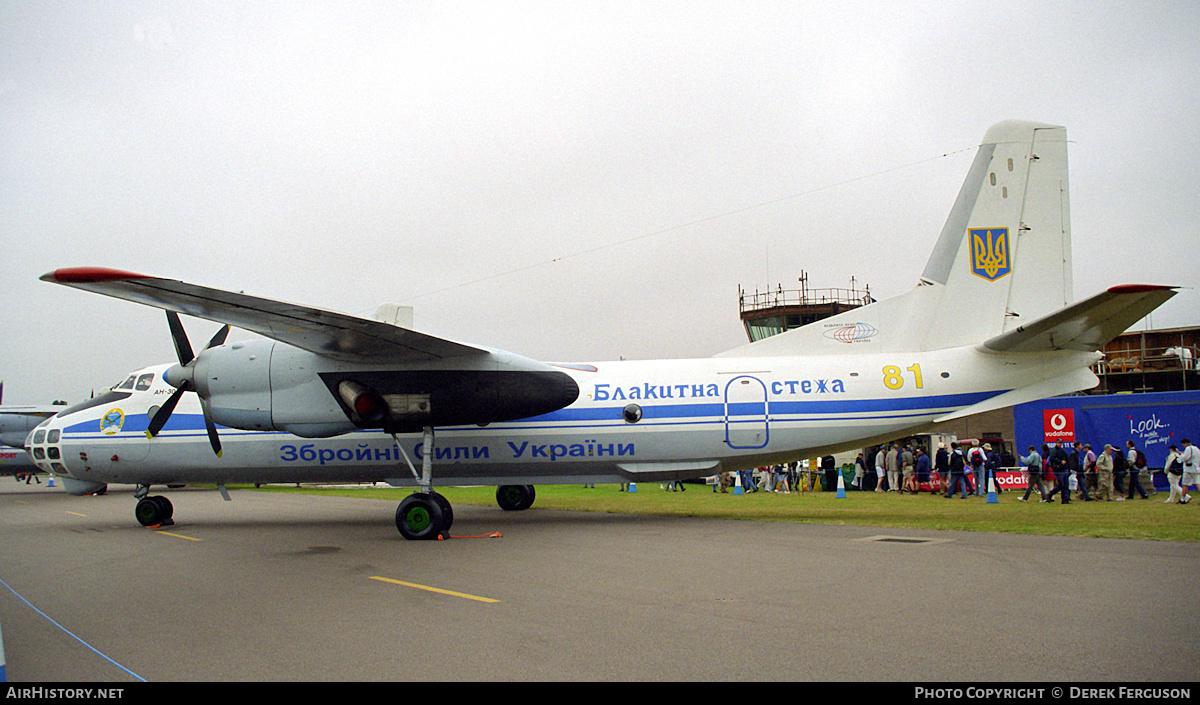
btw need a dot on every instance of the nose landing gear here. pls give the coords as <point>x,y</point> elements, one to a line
<point>153,511</point>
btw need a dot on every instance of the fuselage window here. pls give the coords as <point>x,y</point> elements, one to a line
<point>144,382</point>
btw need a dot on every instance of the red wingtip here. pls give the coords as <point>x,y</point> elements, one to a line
<point>89,275</point>
<point>1137,288</point>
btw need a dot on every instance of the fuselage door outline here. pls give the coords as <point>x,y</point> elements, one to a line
<point>746,413</point>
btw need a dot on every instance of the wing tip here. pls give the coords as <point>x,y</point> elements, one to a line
<point>89,275</point>
<point>1139,288</point>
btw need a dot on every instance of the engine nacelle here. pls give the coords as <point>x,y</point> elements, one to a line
<point>260,385</point>
<point>235,382</point>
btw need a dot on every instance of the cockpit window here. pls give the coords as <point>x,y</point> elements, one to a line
<point>39,436</point>
<point>54,435</point>
<point>144,382</point>
<point>127,384</point>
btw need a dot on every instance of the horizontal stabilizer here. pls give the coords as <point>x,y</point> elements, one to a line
<point>1087,325</point>
<point>1074,381</point>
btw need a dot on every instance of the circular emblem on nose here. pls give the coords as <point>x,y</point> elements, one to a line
<point>111,422</point>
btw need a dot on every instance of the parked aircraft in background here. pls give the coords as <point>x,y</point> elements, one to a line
<point>326,396</point>
<point>15,424</point>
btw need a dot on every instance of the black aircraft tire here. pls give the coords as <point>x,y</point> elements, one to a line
<point>168,510</point>
<point>515,498</point>
<point>149,511</point>
<point>419,518</point>
<point>447,510</point>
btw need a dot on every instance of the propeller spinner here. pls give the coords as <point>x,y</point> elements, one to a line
<point>182,377</point>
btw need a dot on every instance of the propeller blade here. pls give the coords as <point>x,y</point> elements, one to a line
<point>182,347</point>
<point>164,412</point>
<point>219,338</point>
<point>186,357</point>
<point>213,438</point>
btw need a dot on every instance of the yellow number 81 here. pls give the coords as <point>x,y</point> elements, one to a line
<point>893,379</point>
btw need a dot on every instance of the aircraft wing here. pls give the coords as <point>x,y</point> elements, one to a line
<point>1086,325</point>
<point>17,421</point>
<point>335,335</point>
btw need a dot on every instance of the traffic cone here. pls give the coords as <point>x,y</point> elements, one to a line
<point>841,491</point>
<point>737,483</point>
<point>632,487</point>
<point>992,499</point>
<point>50,483</point>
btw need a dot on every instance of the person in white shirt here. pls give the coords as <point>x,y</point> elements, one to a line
<point>1190,457</point>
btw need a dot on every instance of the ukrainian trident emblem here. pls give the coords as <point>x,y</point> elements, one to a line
<point>989,252</point>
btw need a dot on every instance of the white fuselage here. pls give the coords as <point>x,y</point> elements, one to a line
<point>633,420</point>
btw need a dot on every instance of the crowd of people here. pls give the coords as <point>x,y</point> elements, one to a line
<point>1112,475</point>
<point>906,468</point>
<point>1072,472</point>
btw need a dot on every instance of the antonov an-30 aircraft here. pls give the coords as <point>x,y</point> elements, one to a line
<point>331,397</point>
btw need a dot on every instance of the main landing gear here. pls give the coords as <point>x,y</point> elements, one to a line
<point>514,498</point>
<point>425,514</point>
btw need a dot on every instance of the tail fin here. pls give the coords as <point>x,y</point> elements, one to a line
<point>1004,255</point>
<point>1003,258</point>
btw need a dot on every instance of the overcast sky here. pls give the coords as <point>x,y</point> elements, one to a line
<point>567,180</point>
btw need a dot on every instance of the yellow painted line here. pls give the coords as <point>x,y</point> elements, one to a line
<point>178,536</point>
<point>78,514</point>
<point>433,589</point>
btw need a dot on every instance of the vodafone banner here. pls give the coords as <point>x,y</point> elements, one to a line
<point>1010,480</point>
<point>1058,425</point>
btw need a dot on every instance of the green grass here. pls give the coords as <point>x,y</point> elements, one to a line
<point>1131,519</point>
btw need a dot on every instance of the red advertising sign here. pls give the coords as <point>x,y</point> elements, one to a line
<point>1059,425</point>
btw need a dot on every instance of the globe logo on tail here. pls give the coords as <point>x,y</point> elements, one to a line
<point>854,333</point>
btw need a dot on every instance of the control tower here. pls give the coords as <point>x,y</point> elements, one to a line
<point>772,312</point>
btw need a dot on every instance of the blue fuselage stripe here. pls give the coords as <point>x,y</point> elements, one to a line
<point>182,424</point>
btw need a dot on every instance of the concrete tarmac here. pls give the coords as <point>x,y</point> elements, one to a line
<point>274,587</point>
